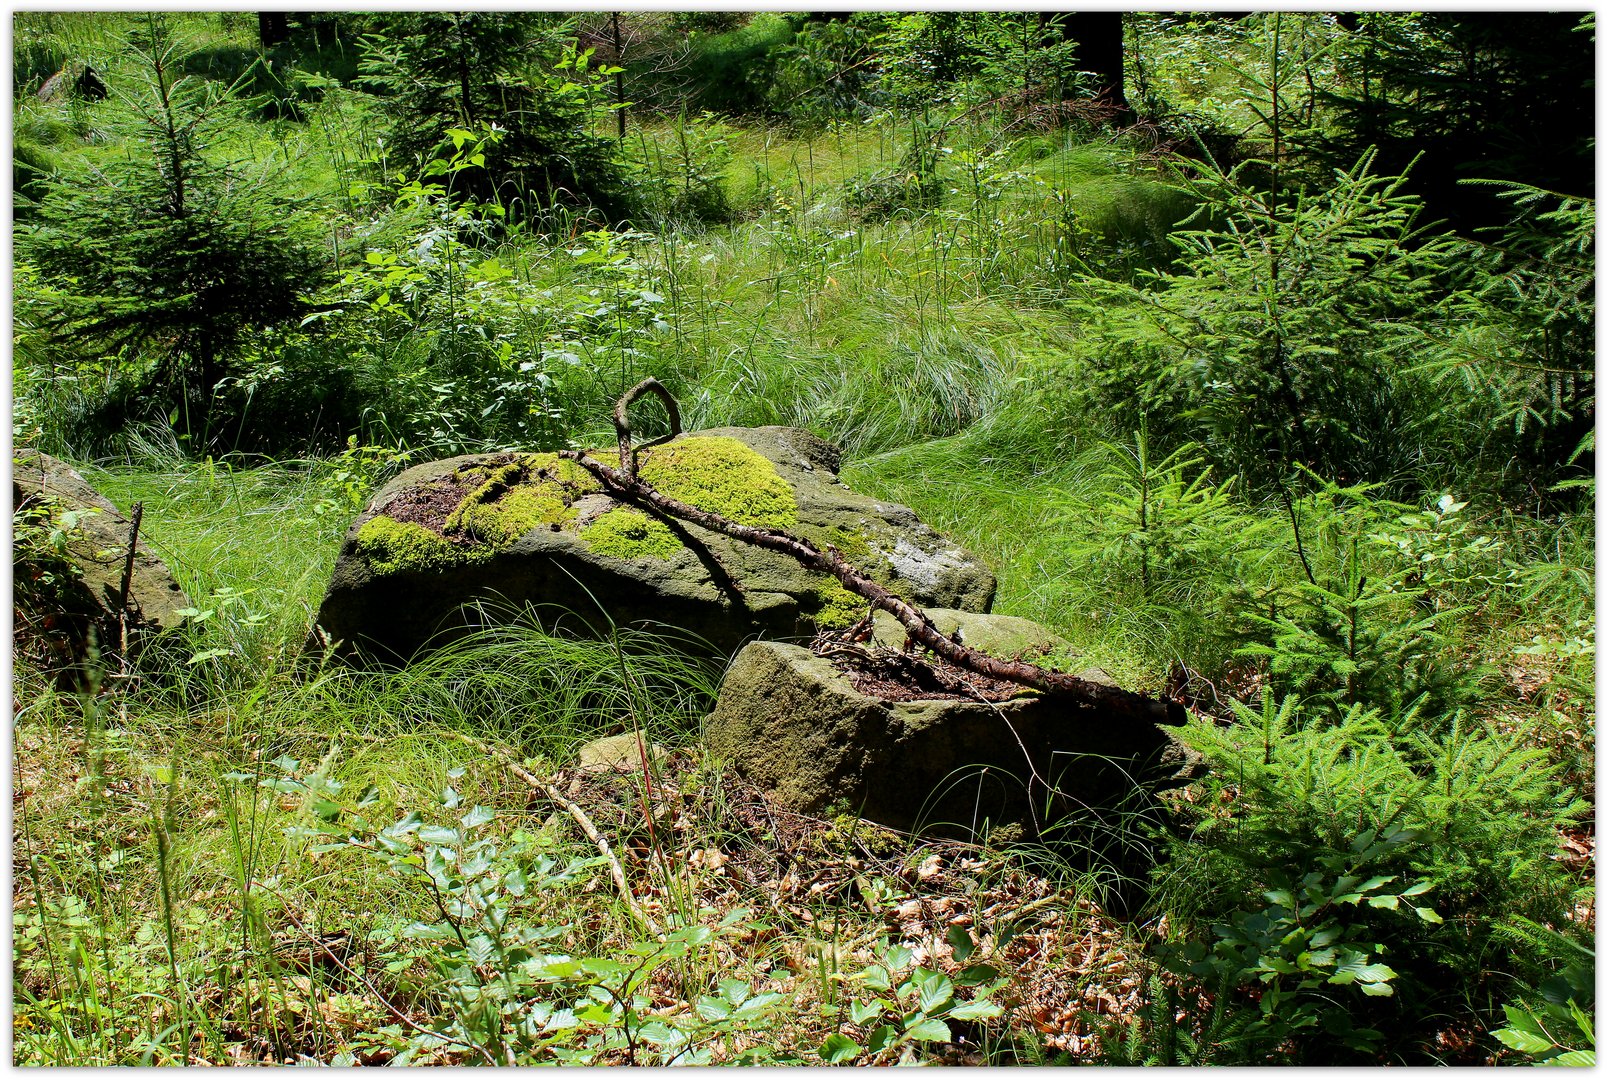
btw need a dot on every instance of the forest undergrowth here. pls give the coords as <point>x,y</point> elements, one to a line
<point>1238,417</point>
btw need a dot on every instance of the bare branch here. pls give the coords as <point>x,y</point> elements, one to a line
<point>628,487</point>
<point>622,424</point>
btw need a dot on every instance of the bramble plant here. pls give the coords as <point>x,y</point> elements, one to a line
<point>1302,942</point>
<point>915,1005</point>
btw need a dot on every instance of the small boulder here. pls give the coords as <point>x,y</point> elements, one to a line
<point>76,79</point>
<point>70,551</point>
<point>447,542</point>
<point>795,724</point>
<point>619,753</point>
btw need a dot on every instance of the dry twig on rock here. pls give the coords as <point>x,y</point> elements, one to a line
<point>624,484</point>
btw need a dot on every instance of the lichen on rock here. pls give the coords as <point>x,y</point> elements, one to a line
<point>724,476</point>
<point>630,534</point>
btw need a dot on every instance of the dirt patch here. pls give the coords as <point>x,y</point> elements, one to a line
<point>430,503</point>
<point>899,676</point>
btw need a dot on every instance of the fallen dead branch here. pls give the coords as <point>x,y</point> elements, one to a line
<point>624,484</point>
<point>587,826</point>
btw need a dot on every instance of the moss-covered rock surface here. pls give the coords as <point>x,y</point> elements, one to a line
<point>70,550</point>
<point>446,542</point>
<point>1039,768</point>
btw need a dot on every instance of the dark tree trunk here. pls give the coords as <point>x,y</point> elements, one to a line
<point>273,27</point>
<point>1099,50</point>
<point>1098,36</point>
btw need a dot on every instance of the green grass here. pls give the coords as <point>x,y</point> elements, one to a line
<point>165,900</point>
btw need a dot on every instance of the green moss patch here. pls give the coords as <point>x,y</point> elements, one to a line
<point>839,608</point>
<point>722,475</point>
<point>630,534</point>
<point>508,499</point>
<point>531,491</point>
<point>389,546</point>
<point>853,546</point>
<point>502,522</point>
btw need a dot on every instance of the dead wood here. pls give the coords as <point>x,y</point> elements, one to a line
<point>624,484</point>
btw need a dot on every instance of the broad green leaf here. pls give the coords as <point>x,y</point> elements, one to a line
<point>929,1029</point>
<point>711,1008</point>
<point>658,1033</point>
<point>756,1007</point>
<point>1586,1023</point>
<point>1524,1041</point>
<point>440,834</point>
<point>976,1010</point>
<point>876,979</point>
<point>881,1038</point>
<point>975,975</point>
<point>426,931</point>
<point>1576,1059</point>
<point>1522,1019</point>
<point>935,990</point>
<point>839,1048</point>
<point>735,991</point>
<point>959,940</point>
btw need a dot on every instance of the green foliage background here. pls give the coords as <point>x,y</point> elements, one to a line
<point>1280,400</point>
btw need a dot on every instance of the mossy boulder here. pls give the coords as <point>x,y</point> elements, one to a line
<point>70,547</point>
<point>446,543</point>
<point>1034,767</point>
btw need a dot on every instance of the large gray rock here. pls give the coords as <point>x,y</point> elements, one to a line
<point>67,592</point>
<point>795,725</point>
<point>447,544</point>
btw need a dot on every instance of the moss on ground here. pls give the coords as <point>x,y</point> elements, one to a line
<point>630,534</point>
<point>389,546</point>
<point>724,476</point>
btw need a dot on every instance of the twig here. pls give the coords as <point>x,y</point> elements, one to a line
<point>370,987</point>
<point>921,629</point>
<point>622,424</point>
<point>1294,520</point>
<point>128,578</point>
<point>615,870</point>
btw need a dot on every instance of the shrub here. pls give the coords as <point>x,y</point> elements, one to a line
<point>1472,813</point>
<point>1283,334</point>
<point>517,71</point>
<point>167,251</point>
